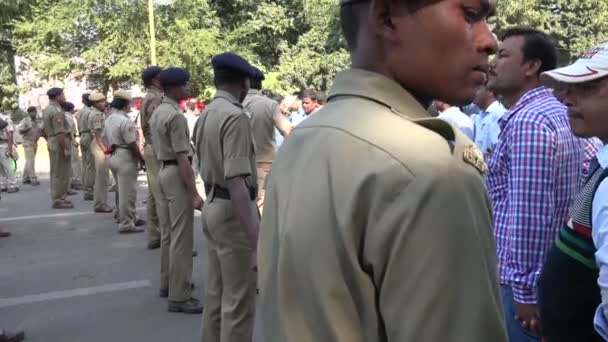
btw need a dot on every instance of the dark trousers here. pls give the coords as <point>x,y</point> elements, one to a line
<point>568,297</point>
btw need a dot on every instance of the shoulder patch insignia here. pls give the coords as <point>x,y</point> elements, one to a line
<point>473,156</point>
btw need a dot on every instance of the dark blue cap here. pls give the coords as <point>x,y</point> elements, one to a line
<point>54,92</point>
<point>150,72</point>
<point>259,75</point>
<point>174,77</point>
<point>231,62</point>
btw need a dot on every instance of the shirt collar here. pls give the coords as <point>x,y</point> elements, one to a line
<point>172,102</point>
<point>227,96</point>
<point>120,112</point>
<point>493,107</point>
<point>378,88</point>
<point>526,99</point>
<point>602,156</point>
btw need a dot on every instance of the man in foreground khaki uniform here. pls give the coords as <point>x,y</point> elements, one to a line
<point>88,161</point>
<point>56,131</point>
<point>179,196</point>
<point>125,159</point>
<point>390,238</point>
<point>151,101</point>
<point>75,160</point>
<point>224,144</point>
<point>30,131</point>
<point>265,116</point>
<point>99,150</point>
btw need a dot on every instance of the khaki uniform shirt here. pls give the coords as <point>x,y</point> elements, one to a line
<point>53,120</point>
<point>96,120</point>
<point>389,235</point>
<point>169,129</point>
<point>151,101</point>
<point>265,116</point>
<point>28,128</point>
<point>119,130</point>
<point>73,126</point>
<point>83,120</point>
<point>224,143</point>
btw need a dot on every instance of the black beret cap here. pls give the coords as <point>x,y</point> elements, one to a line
<point>54,92</point>
<point>259,75</point>
<point>231,62</point>
<point>174,77</point>
<point>150,72</point>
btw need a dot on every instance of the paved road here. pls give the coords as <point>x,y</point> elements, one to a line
<point>68,276</point>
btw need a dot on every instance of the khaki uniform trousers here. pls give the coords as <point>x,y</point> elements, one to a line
<point>76,166</point>
<point>125,169</point>
<point>263,170</point>
<point>29,170</point>
<point>152,170</point>
<point>60,170</point>
<point>177,241</point>
<point>7,173</point>
<point>102,175</point>
<point>88,163</point>
<point>231,284</point>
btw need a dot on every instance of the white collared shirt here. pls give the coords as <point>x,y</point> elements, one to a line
<point>459,119</point>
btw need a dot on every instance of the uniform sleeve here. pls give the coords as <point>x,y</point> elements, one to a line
<point>429,254</point>
<point>97,121</point>
<point>59,123</point>
<point>178,131</point>
<point>280,121</point>
<point>237,147</point>
<point>128,132</point>
<point>153,104</point>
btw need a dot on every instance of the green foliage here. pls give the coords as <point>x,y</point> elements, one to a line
<point>296,42</point>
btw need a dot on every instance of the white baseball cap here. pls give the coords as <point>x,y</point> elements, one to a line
<point>591,65</point>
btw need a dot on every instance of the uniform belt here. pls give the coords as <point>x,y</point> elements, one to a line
<point>264,163</point>
<point>223,193</point>
<point>173,161</point>
<point>115,148</point>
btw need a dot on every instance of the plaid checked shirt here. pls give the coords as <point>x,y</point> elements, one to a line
<point>534,174</point>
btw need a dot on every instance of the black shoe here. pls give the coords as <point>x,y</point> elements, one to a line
<point>153,245</point>
<point>6,336</point>
<point>191,306</point>
<point>139,222</point>
<point>26,181</point>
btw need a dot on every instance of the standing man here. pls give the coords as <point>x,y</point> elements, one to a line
<point>30,131</point>
<point>88,161</point>
<point>8,152</point>
<point>99,150</point>
<point>153,99</point>
<point>179,196</point>
<point>125,159</point>
<point>76,161</point>
<point>456,117</point>
<point>56,131</point>
<point>228,167</point>
<point>487,128</point>
<point>534,173</point>
<point>265,116</point>
<point>363,250</point>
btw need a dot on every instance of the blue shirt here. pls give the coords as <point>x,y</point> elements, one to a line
<point>599,224</point>
<point>487,128</point>
<point>296,117</point>
<point>459,119</point>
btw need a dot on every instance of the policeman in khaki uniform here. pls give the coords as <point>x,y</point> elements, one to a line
<point>88,162</point>
<point>224,145</point>
<point>265,116</point>
<point>151,101</point>
<point>75,160</point>
<point>99,151</point>
<point>179,196</point>
<point>390,238</point>
<point>30,131</point>
<point>125,159</point>
<point>8,181</point>
<point>56,130</point>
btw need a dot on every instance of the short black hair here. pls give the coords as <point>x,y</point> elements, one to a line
<point>277,97</point>
<point>267,92</point>
<point>311,94</point>
<point>31,109</point>
<point>119,103</point>
<point>68,106</point>
<point>222,78</point>
<point>85,99</point>
<point>537,45</point>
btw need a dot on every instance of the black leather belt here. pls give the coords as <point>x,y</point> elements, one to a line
<point>173,161</point>
<point>223,193</point>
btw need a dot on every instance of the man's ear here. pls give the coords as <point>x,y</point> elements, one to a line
<point>533,67</point>
<point>379,18</point>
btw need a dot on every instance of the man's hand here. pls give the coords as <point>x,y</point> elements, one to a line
<point>529,317</point>
<point>197,202</point>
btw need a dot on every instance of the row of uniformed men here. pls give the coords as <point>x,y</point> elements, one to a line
<point>223,141</point>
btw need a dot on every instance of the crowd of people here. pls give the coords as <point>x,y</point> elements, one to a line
<point>486,223</point>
